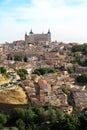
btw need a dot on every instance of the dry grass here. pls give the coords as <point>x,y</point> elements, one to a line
<point>13,96</point>
<point>3,80</point>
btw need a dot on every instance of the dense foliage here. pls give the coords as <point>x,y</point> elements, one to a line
<point>17,58</point>
<point>82,78</point>
<point>64,89</point>
<point>80,59</point>
<point>84,62</point>
<point>44,70</point>
<point>4,72</point>
<point>71,70</point>
<point>38,118</point>
<point>22,73</point>
<point>82,48</point>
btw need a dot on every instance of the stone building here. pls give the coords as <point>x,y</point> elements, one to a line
<point>40,38</point>
<point>79,99</point>
<point>80,69</point>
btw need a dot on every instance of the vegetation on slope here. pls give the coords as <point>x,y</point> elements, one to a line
<point>38,118</point>
<point>44,70</point>
<point>82,78</point>
<point>22,73</point>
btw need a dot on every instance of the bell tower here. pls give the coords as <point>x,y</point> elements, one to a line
<point>25,36</point>
<point>31,36</point>
<point>49,35</point>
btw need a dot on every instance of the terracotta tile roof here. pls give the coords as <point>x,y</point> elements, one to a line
<point>42,83</point>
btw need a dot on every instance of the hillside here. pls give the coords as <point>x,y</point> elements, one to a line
<point>3,80</point>
<point>13,96</point>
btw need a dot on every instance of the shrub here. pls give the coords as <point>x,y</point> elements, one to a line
<point>44,70</point>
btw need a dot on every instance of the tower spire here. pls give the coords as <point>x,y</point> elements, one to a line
<point>49,31</point>
<point>31,31</point>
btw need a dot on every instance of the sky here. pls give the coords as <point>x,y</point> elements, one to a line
<point>66,19</point>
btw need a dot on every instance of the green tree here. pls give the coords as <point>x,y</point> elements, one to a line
<point>44,70</point>
<point>29,116</point>
<point>70,123</point>
<point>77,48</point>
<point>52,115</point>
<point>3,119</point>
<point>22,73</point>
<point>6,75</point>
<point>71,70</point>
<point>20,113</point>
<point>83,122</point>
<point>40,116</point>
<point>2,70</point>
<point>20,124</point>
<point>77,112</point>
<point>82,78</point>
<point>1,127</point>
<point>77,59</point>
<point>17,58</point>
<point>64,89</point>
<point>59,114</point>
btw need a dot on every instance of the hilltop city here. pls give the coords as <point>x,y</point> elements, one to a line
<point>43,73</point>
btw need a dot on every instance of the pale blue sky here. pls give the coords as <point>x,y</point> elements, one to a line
<point>67,19</point>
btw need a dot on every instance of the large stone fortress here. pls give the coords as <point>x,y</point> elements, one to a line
<point>40,38</point>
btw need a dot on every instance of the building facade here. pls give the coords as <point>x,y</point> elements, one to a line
<point>33,38</point>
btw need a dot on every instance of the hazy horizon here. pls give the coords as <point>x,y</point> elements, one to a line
<point>66,19</point>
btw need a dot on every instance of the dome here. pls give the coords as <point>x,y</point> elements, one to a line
<point>44,85</point>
